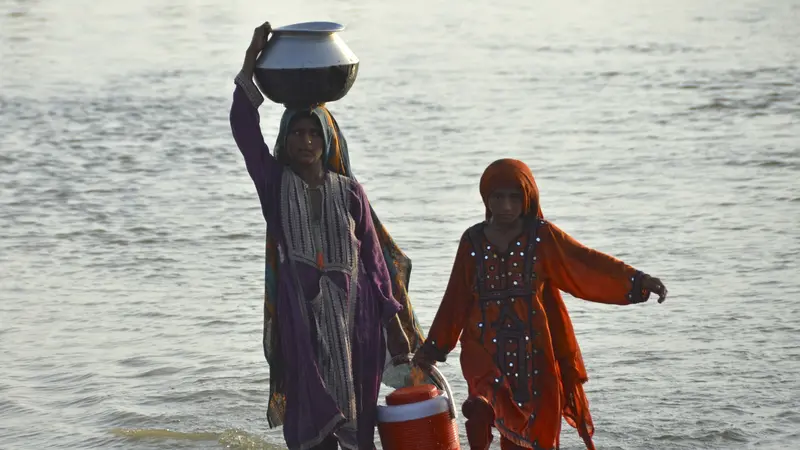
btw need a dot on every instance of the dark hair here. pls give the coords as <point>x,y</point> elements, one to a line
<point>305,114</point>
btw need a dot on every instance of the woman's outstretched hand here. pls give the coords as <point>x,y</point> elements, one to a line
<point>655,286</point>
<point>257,44</point>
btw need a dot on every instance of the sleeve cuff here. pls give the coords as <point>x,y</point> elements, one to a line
<point>250,89</point>
<point>637,294</point>
<point>430,349</point>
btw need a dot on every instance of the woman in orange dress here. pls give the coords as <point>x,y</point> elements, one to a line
<point>519,354</point>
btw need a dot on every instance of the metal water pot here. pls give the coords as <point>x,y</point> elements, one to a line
<point>306,64</point>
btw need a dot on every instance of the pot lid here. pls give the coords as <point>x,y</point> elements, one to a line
<point>412,394</point>
<point>311,27</point>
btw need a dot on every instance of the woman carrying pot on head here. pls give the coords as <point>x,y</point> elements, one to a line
<point>335,280</point>
<point>519,354</point>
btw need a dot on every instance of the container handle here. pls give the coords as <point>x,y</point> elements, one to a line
<point>437,376</point>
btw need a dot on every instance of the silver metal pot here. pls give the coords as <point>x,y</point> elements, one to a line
<point>306,64</point>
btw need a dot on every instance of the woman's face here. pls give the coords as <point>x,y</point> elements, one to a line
<point>505,205</point>
<point>305,142</point>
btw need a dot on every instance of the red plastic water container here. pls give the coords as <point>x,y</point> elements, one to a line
<point>418,418</point>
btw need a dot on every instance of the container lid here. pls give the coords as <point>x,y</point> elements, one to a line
<point>412,394</point>
<point>312,27</point>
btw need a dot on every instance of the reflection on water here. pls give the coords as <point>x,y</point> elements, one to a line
<point>232,439</point>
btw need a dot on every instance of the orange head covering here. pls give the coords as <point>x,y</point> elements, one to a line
<point>511,174</point>
<point>515,174</point>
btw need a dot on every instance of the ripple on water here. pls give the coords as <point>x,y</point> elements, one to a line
<point>159,372</point>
